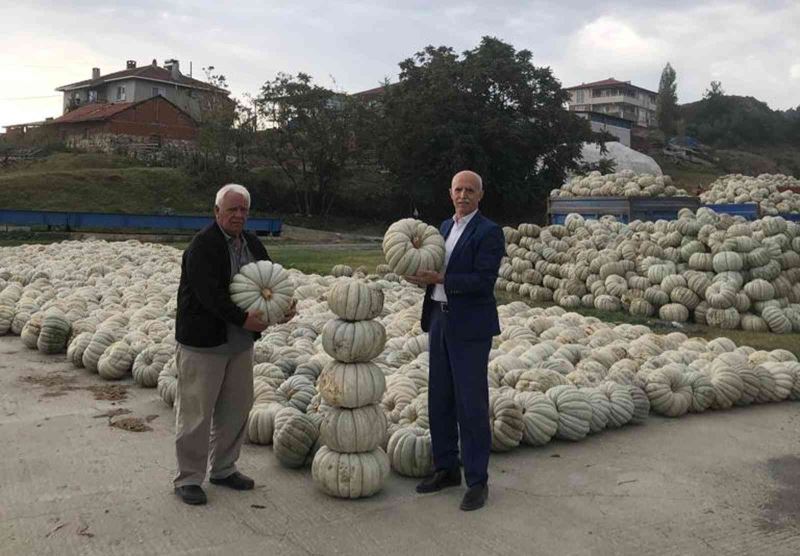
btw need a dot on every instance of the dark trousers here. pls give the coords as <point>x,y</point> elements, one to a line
<point>458,399</point>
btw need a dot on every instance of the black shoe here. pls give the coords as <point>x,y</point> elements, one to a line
<point>475,497</point>
<point>236,481</point>
<point>439,480</point>
<point>191,494</point>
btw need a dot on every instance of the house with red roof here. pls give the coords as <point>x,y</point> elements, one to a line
<point>138,83</point>
<point>618,99</point>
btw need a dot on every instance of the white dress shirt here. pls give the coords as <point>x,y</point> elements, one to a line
<point>459,225</point>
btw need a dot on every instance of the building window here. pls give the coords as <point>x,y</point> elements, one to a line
<point>121,93</point>
<point>580,95</point>
<point>158,91</point>
<point>92,96</point>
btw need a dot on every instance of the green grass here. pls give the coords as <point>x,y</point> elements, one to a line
<point>321,260</point>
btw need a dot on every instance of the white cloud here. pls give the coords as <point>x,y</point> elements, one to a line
<point>794,72</point>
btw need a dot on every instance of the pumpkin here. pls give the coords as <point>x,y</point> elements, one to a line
<point>601,409</point>
<point>265,287</point>
<point>296,391</point>
<point>261,423</point>
<point>351,384</point>
<point>340,270</point>
<point>76,348</point>
<point>116,361</point>
<point>101,340</point>
<point>353,300</point>
<point>353,430</point>
<point>353,342</point>
<point>416,413</point>
<point>621,404</point>
<point>505,418</point>
<point>54,332</point>
<point>294,440</point>
<point>727,384</point>
<point>574,412</point>
<point>703,392</point>
<point>344,475</point>
<point>409,451</point>
<point>669,391</point>
<point>410,246</point>
<point>539,417</point>
<point>30,332</point>
<point>641,405</point>
<point>148,364</point>
<point>168,382</point>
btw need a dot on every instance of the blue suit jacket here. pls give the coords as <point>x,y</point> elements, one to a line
<point>469,280</point>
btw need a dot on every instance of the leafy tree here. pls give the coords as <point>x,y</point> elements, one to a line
<point>312,134</point>
<point>490,110</point>
<point>714,90</point>
<point>667,103</point>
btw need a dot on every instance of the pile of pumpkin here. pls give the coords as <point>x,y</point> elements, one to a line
<point>711,268</point>
<point>553,374</point>
<point>620,184</point>
<point>772,192</point>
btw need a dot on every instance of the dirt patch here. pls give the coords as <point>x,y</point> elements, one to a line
<point>113,413</point>
<point>109,392</point>
<point>50,380</point>
<point>782,509</point>
<point>130,424</point>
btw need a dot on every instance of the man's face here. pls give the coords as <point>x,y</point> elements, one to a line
<point>231,215</point>
<point>466,194</point>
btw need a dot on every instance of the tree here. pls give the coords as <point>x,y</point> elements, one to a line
<point>312,134</point>
<point>489,109</point>
<point>667,104</point>
<point>714,90</point>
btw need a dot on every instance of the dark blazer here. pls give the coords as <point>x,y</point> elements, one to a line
<point>204,304</point>
<point>469,280</point>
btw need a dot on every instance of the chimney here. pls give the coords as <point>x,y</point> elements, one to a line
<point>173,66</point>
<point>154,64</point>
<point>130,64</point>
<point>95,73</point>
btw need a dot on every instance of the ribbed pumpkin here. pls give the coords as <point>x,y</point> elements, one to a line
<point>669,391</point>
<point>350,475</point>
<point>54,332</point>
<point>340,270</point>
<point>539,416</point>
<point>574,412</point>
<point>294,440</point>
<point>409,452</point>
<point>116,361</point>
<point>601,409</point>
<point>168,382</point>
<point>351,384</point>
<point>261,423</point>
<point>505,417</point>
<point>727,386</point>
<point>101,340</point>
<point>148,364</point>
<point>641,405</point>
<point>263,286</point>
<point>353,342</point>
<point>76,348</point>
<point>410,246</point>
<point>360,429</point>
<point>621,403</point>
<point>702,391</point>
<point>30,332</point>
<point>353,300</point>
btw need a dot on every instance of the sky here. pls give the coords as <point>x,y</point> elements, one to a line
<point>752,47</point>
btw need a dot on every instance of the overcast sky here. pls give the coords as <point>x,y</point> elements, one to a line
<point>752,47</point>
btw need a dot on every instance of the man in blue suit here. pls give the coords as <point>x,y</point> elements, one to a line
<point>460,316</point>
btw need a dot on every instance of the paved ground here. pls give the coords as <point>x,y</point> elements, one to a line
<point>717,483</point>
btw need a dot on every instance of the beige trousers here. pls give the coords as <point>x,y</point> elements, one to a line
<point>215,394</point>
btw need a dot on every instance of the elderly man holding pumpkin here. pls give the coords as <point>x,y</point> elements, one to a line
<point>215,350</point>
<point>460,315</point>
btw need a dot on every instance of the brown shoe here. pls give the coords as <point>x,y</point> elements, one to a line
<point>236,481</point>
<point>439,480</point>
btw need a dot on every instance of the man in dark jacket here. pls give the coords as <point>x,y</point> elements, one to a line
<point>215,350</point>
<point>460,315</point>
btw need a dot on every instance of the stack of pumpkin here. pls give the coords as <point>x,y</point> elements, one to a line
<point>351,462</point>
<point>621,184</point>
<point>716,269</point>
<point>772,192</point>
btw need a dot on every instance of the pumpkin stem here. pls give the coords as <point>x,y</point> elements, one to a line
<point>266,293</point>
<point>416,241</point>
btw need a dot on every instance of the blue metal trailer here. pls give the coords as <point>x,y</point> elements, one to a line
<point>624,209</point>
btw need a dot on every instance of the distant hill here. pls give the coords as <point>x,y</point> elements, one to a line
<point>736,122</point>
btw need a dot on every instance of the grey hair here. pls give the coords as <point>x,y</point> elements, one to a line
<point>232,188</point>
<point>474,175</point>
